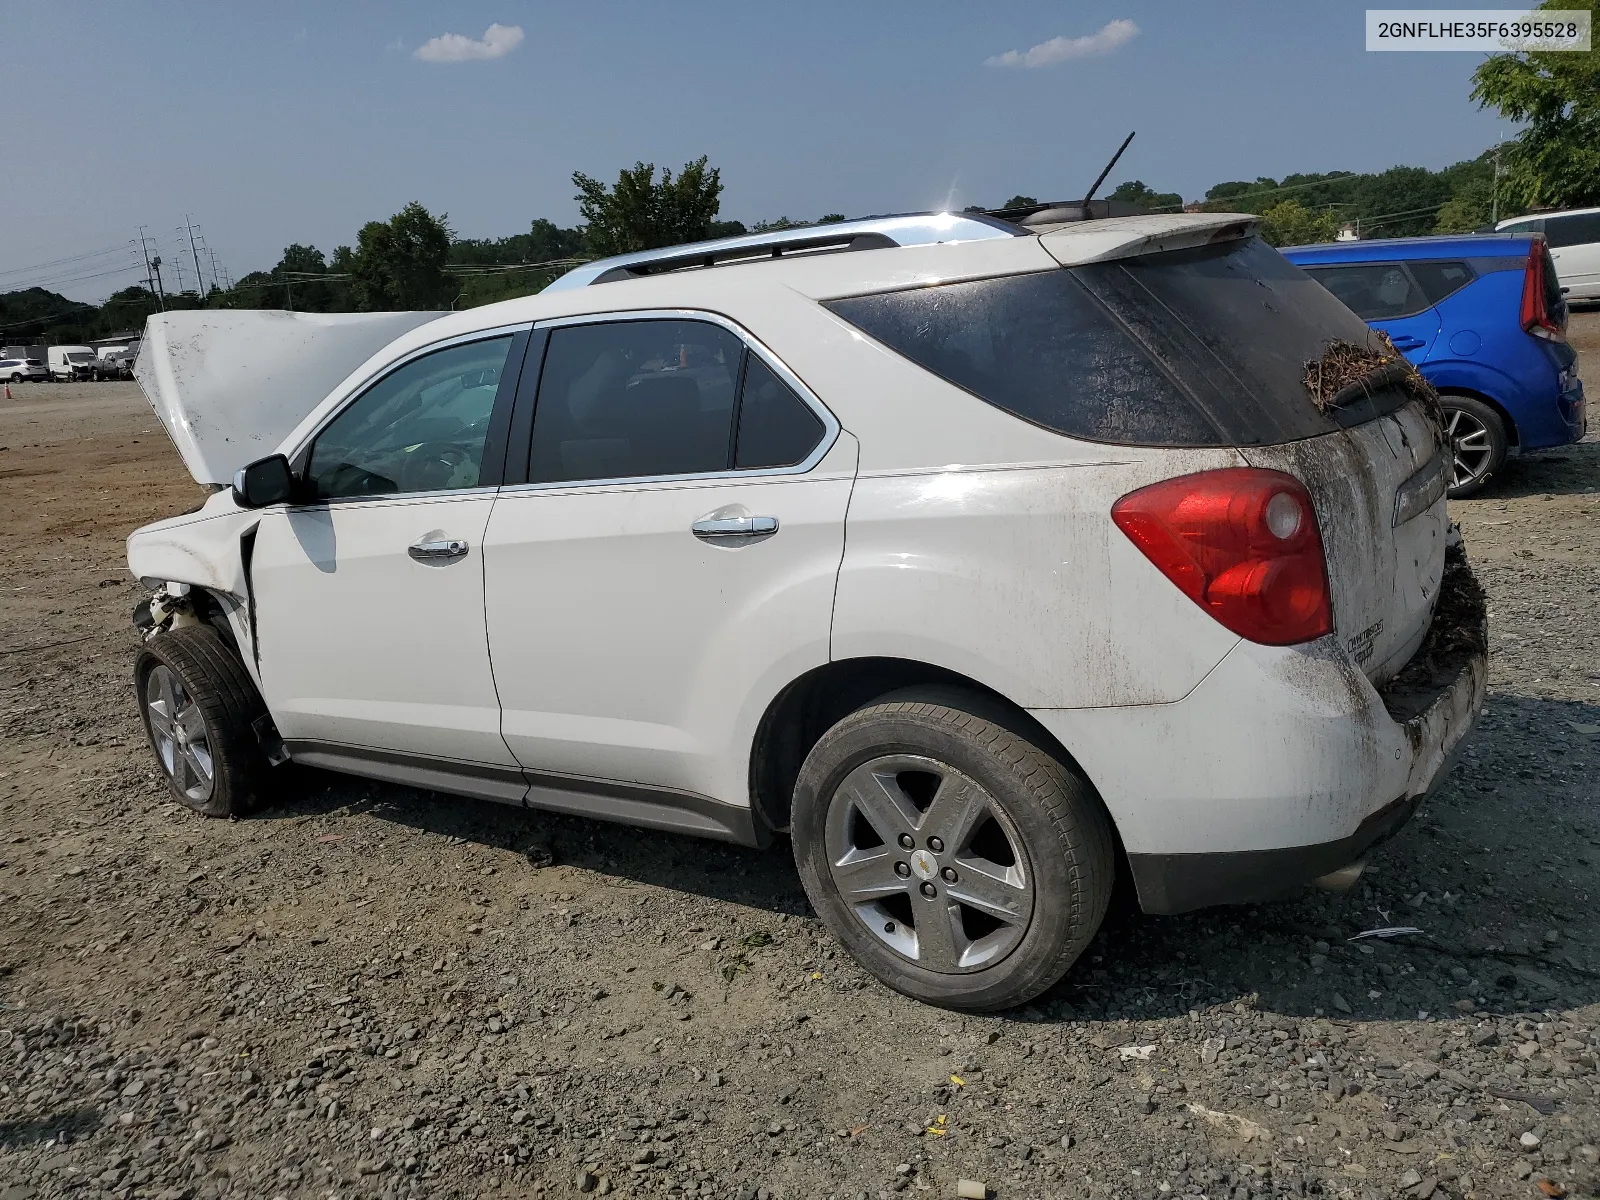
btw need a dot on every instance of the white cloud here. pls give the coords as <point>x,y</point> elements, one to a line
<point>497,42</point>
<point>1064,49</point>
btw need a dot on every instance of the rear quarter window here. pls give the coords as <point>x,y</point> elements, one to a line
<point>1041,348</point>
<point>1441,279</point>
<point>1199,347</point>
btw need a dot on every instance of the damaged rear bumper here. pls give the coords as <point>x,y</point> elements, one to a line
<point>1284,765</point>
<point>1179,883</point>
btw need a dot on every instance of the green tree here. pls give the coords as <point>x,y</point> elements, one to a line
<point>777,224</point>
<point>401,263</point>
<point>1290,223</point>
<point>1470,207</point>
<point>1018,201</point>
<point>125,309</point>
<point>1240,196</point>
<point>545,241</point>
<point>1555,160</point>
<point>639,213</point>
<point>1471,195</point>
<point>1135,192</point>
<point>1399,202</point>
<point>831,218</point>
<point>299,292</point>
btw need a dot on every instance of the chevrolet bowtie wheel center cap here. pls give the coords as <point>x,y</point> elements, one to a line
<point>924,865</point>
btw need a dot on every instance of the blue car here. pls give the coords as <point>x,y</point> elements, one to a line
<point>1483,318</point>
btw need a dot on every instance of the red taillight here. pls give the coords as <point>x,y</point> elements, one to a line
<point>1535,315</point>
<point>1243,544</point>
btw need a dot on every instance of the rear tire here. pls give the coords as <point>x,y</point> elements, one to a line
<point>959,862</point>
<point>1477,435</point>
<point>199,708</point>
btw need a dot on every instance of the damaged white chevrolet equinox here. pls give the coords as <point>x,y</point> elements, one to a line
<point>985,560</point>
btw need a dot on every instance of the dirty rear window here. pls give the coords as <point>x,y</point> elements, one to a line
<point>1201,347</point>
<point>1041,348</point>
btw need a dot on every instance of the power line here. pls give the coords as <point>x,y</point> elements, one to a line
<point>65,280</point>
<point>55,262</point>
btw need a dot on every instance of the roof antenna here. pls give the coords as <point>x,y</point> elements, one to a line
<point>1101,178</point>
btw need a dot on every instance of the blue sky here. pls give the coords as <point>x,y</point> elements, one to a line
<point>283,122</point>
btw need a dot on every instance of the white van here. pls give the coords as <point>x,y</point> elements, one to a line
<point>1574,241</point>
<point>71,362</point>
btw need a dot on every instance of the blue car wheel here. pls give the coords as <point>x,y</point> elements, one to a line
<point>1477,443</point>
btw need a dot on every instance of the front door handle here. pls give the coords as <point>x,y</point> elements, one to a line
<point>442,550</point>
<point>734,529</point>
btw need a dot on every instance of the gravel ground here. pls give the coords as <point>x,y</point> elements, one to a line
<point>369,991</point>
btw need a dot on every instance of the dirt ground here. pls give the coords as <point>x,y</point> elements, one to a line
<point>368,991</point>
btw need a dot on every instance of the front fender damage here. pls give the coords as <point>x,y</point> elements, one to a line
<point>197,571</point>
<point>202,554</point>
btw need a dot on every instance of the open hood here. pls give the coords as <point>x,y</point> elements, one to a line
<point>231,384</point>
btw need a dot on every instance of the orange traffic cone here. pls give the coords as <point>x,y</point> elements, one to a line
<point>8,391</point>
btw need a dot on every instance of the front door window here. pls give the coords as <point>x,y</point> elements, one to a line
<point>421,428</point>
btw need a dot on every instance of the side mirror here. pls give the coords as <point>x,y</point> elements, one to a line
<point>265,481</point>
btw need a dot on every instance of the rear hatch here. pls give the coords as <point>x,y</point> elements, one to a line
<point>1235,324</point>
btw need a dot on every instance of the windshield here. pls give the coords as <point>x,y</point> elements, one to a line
<point>79,356</point>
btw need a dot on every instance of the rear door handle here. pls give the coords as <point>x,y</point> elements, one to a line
<point>1407,342</point>
<point>733,529</point>
<point>442,550</point>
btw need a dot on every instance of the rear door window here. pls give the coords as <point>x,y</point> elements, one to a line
<point>1576,229</point>
<point>635,399</point>
<point>1373,291</point>
<point>1441,279</point>
<point>776,427</point>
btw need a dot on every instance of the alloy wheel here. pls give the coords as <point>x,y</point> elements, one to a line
<point>1471,447</point>
<point>929,863</point>
<point>178,730</point>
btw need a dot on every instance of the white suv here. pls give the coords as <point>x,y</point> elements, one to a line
<point>984,562</point>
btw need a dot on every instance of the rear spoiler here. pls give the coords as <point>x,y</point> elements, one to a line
<point>1127,237</point>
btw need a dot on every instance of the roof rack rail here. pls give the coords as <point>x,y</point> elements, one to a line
<point>727,254</point>
<point>866,233</point>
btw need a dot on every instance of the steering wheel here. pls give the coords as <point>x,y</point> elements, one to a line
<point>430,466</point>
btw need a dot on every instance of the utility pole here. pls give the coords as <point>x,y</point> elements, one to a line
<point>177,263</point>
<point>199,279</point>
<point>149,272</point>
<point>161,293</point>
<point>213,255</point>
<point>1494,203</point>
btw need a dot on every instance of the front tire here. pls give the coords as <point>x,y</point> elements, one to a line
<point>958,861</point>
<point>199,708</point>
<point>1477,436</point>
